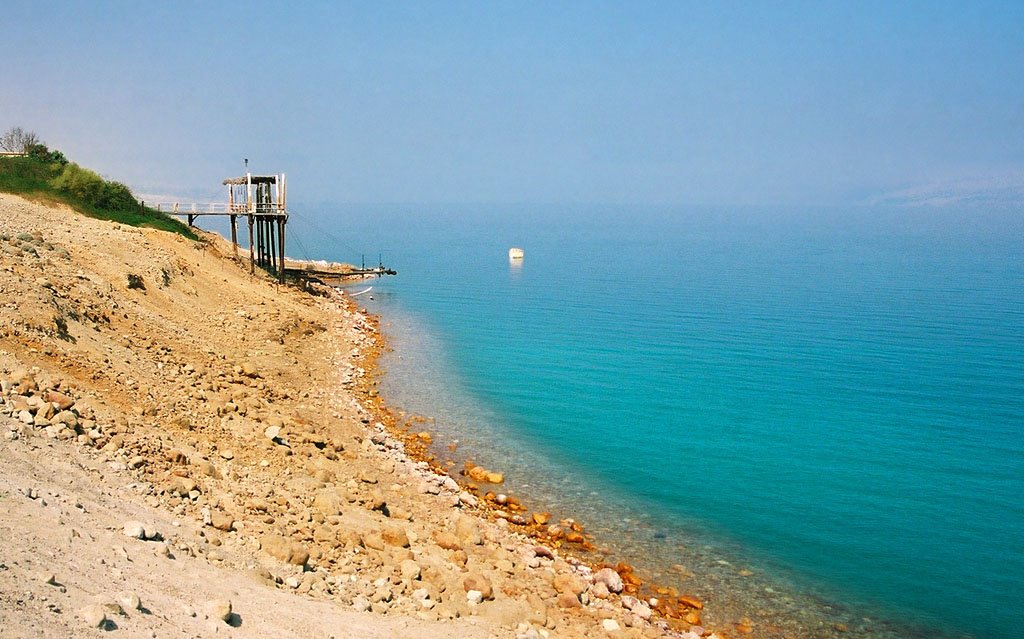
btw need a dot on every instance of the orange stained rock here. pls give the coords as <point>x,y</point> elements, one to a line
<point>692,617</point>
<point>690,601</point>
<point>573,537</point>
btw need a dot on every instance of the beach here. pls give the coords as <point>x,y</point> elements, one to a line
<point>192,450</point>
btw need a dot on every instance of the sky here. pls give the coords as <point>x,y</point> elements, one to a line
<point>522,102</point>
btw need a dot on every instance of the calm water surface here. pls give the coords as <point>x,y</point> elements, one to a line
<point>831,400</point>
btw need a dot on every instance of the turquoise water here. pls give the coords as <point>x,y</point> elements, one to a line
<point>831,399</point>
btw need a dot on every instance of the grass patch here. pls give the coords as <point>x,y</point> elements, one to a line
<point>47,177</point>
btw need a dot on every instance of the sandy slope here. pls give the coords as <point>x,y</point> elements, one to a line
<point>235,418</point>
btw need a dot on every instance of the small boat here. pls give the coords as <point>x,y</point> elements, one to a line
<point>515,253</point>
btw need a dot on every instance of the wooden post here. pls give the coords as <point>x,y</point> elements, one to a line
<point>280,239</point>
<point>252,254</point>
<point>191,219</point>
<point>234,233</point>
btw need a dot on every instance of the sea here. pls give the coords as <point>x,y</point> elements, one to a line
<point>811,417</point>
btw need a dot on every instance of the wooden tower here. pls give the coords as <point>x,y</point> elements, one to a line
<point>262,200</point>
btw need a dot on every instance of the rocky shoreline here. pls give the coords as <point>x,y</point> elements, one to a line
<point>171,424</point>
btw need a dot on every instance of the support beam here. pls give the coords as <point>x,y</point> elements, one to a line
<point>280,238</point>
<point>234,234</point>
<point>191,220</point>
<point>252,254</point>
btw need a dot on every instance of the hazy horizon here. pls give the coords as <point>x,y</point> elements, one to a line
<point>433,103</point>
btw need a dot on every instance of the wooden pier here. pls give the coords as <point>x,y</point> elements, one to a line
<point>262,200</point>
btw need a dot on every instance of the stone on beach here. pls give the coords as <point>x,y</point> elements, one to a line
<point>480,583</point>
<point>219,609</point>
<point>285,549</point>
<point>93,616</point>
<point>611,579</point>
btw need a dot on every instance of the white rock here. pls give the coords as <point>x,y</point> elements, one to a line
<point>610,579</point>
<point>474,597</point>
<point>93,616</point>
<point>219,609</point>
<point>129,600</point>
<point>135,529</point>
<point>272,432</point>
<point>610,625</point>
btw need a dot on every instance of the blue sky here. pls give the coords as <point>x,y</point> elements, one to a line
<point>441,102</point>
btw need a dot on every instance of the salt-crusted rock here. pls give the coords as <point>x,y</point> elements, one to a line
<point>474,597</point>
<point>610,579</point>
<point>610,625</point>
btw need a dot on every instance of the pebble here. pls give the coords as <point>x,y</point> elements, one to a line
<point>474,597</point>
<point>610,625</point>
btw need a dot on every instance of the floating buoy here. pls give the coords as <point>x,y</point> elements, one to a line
<point>515,253</point>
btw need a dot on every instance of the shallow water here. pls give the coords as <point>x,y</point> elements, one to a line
<point>830,400</point>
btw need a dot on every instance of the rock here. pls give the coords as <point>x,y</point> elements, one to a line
<point>361,604</point>
<point>410,569</point>
<point>543,551</point>
<point>599,590</point>
<point>474,597</point>
<point>541,519</point>
<point>227,454</point>
<point>60,400</point>
<point>373,540</point>
<point>250,370</point>
<point>447,540</point>
<point>568,582</point>
<point>467,530</point>
<point>219,609</point>
<point>496,478</point>
<point>220,520</point>
<point>175,456</point>
<point>135,529</point>
<point>568,600</point>
<point>129,600</point>
<point>285,549</point>
<point>610,625</point>
<point>93,616</point>
<point>206,468</point>
<point>182,486</point>
<point>395,536</point>
<point>272,432</point>
<point>690,601</point>
<point>477,581</point>
<point>328,502</point>
<point>610,579</point>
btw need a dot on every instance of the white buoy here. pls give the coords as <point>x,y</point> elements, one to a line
<point>515,253</point>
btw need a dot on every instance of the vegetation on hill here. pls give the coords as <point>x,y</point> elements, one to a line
<point>46,175</point>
